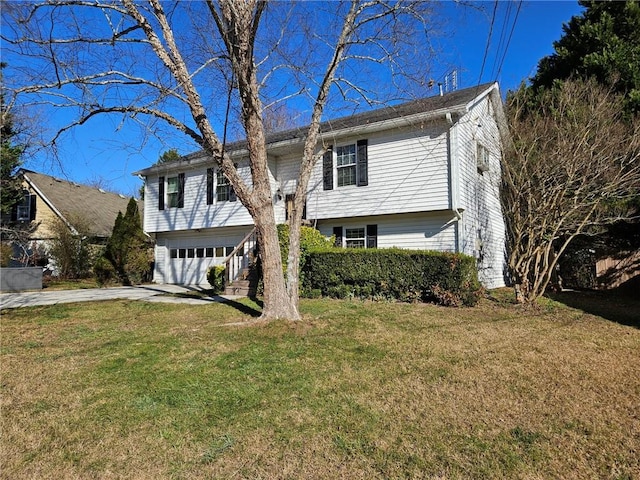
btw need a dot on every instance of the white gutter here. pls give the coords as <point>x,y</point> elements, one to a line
<point>332,136</point>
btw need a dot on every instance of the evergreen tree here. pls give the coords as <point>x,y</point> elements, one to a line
<point>603,42</point>
<point>171,155</point>
<point>10,185</point>
<point>127,248</point>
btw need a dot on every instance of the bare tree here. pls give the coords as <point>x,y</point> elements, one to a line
<point>574,165</point>
<point>151,62</point>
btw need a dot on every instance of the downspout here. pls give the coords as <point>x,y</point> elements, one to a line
<point>454,183</point>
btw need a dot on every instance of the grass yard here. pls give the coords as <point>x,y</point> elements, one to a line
<point>357,390</point>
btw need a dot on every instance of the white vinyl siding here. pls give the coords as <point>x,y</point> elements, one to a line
<point>427,231</point>
<point>482,227</point>
<point>407,172</point>
<point>196,214</point>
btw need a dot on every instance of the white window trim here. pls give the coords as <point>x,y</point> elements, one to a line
<point>170,194</point>
<point>222,182</point>
<point>353,165</point>
<point>23,211</point>
<point>483,158</point>
<point>362,238</point>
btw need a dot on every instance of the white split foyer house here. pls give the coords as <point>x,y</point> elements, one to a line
<point>420,175</point>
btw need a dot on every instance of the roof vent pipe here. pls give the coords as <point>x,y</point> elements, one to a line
<point>440,87</point>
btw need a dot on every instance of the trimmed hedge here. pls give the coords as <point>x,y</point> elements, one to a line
<point>405,275</point>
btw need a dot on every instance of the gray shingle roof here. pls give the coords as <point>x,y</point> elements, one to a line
<point>452,100</point>
<point>97,207</point>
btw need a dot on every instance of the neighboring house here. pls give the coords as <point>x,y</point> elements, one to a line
<point>47,198</point>
<point>420,175</point>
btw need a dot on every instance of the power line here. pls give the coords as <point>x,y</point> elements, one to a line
<point>503,29</point>
<point>506,48</point>
<point>486,50</point>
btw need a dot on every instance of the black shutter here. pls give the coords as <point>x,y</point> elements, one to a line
<point>363,174</point>
<point>210,178</point>
<point>327,169</point>
<point>337,232</point>
<point>161,193</point>
<point>372,236</point>
<point>232,193</point>
<point>14,213</point>
<point>32,207</point>
<point>181,190</point>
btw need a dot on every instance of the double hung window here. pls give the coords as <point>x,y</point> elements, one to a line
<point>172,192</point>
<point>24,208</point>
<point>346,165</point>
<point>223,188</point>
<point>354,238</point>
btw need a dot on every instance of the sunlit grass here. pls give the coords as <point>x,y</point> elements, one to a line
<point>356,390</point>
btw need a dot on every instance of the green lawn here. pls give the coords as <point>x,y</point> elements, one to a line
<point>138,390</point>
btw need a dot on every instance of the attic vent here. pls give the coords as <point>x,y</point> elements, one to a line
<point>121,195</point>
<point>101,190</point>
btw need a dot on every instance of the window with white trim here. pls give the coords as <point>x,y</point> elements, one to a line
<point>173,192</point>
<point>355,237</point>
<point>24,208</point>
<point>482,158</point>
<point>223,188</point>
<point>346,165</point>
<point>351,165</point>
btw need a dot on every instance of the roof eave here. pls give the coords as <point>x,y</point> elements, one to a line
<point>44,198</point>
<point>193,161</point>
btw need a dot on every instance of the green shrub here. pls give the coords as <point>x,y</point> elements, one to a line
<point>69,251</point>
<point>216,278</point>
<point>310,239</point>
<point>138,265</point>
<point>408,276</point>
<point>104,271</point>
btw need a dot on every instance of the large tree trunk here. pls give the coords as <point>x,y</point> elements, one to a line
<point>277,304</point>
<point>293,260</point>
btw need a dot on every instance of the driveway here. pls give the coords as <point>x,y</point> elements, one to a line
<point>149,293</point>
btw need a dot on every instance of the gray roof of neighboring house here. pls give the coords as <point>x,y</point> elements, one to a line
<point>457,99</point>
<point>97,207</point>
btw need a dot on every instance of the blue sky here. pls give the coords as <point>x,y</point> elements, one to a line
<point>103,152</point>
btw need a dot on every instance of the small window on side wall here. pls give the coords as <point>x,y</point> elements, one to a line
<point>482,158</point>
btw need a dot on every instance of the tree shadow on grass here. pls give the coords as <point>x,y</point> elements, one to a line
<point>621,305</point>
<point>246,309</point>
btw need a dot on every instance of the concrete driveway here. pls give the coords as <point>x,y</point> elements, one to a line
<point>149,293</point>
